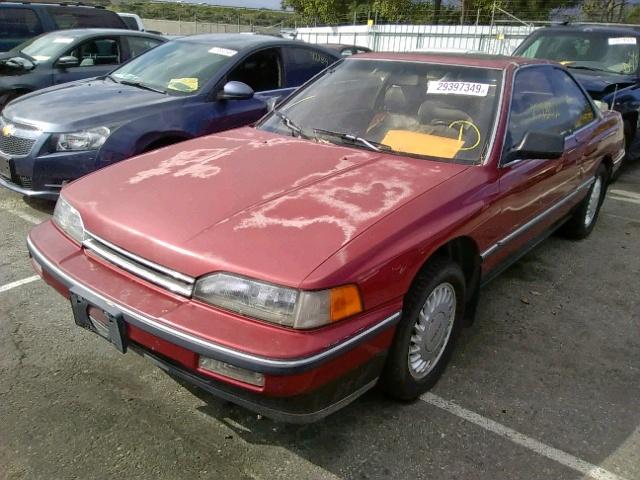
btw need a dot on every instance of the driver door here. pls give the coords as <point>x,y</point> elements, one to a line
<point>96,57</point>
<point>530,190</point>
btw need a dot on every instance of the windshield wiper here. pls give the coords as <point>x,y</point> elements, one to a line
<point>290,124</point>
<point>142,85</point>
<point>370,144</point>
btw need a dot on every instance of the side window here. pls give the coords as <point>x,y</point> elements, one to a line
<point>304,63</point>
<point>101,51</point>
<point>533,105</point>
<point>578,110</point>
<point>19,23</point>
<point>138,45</point>
<point>262,71</point>
<point>84,17</point>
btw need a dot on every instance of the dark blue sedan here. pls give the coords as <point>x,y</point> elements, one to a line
<point>183,89</point>
<point>68,55</point>
<point>604,59</point>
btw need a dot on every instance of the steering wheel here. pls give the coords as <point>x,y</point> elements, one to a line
<point>467,127</point>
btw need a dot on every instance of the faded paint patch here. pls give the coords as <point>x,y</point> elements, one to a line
<point>347,201</point>
<point>194,163</point>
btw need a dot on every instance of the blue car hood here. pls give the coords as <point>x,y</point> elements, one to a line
<point>597,83</point>
<point>86,104</point>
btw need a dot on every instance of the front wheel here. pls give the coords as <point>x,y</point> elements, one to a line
<point>584,219</point>
<point>431,321</point>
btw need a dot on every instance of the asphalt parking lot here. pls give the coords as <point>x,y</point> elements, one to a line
<point>545,385</point>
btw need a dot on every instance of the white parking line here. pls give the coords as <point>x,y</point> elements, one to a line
<point>18,283</point>
<point>7,207</point>
<point>621,217</point>
<point>563,458</point>
<point>625,193</point>
<point>624,199</point>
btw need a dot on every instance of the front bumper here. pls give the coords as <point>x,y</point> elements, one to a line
<point>43,176</point>
<point>305,386</point>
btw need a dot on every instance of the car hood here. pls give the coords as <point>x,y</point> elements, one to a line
<point>600,83</point>
<point>249,202</point>
<point>84,104</point>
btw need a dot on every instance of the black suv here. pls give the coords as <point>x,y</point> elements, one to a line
<point>21,21</point>
<point>604,59</point>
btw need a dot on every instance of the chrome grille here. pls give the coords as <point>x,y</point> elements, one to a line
<point>14,145</point>
<point>164,277</point>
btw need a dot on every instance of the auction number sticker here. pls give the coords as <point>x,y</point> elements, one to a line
<point>622,41</point>
<point>65,40</point>
<point>458,88</point>
<point>227,52</point>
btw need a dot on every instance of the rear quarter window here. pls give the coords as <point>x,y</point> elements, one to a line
<point>79,17</point>
<point>138,45</point>
<point>19,24</point>
<point>304,63</point>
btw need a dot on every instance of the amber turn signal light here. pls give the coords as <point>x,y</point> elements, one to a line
<point>345,301</point>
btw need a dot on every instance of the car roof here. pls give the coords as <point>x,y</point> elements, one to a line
<point>462,59</point>
<point>48,4</point>
<point>339,46</point>
<point>627,30</point>
<point>90,32</point>
<point>238,41</point>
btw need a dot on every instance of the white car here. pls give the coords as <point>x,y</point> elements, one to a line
<point>133,21</point>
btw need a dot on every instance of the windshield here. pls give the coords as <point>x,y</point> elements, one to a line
<point>444,112</point>
<point>612,53</point>
<point>180,67</point>
<point>44,47</point>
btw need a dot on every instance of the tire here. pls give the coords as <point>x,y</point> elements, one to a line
<point>584,219</point>
<point>441,282</point>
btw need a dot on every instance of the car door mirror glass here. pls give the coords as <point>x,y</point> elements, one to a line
<point>67,61</point>
<point>538,145</point>
<point>236,91</point>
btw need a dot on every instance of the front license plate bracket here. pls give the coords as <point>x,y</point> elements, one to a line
<point>115,328</point>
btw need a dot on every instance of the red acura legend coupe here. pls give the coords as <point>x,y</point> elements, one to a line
<point>342,241</point>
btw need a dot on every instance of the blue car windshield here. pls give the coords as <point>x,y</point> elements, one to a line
<point>49,45</point>
<point>178,67</point>
<point>607,52</point>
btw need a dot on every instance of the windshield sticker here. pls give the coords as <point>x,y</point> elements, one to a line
<point>189,84</point>
<point>622,41</point>
<point>62,40</point>
<point>41,58</point>
<point>458,88</point>
<point>226,52</point>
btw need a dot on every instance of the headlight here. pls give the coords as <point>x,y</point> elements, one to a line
<point>90,139</point>
<point>68,220</point>
<point>276,304</point>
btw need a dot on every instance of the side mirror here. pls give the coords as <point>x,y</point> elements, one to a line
<point>538,145</point>
<point>602,106</point>
<point>67,62</point>
<point>236,91</point>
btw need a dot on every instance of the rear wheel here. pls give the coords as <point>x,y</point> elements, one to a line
<point>431,322</point>
<point>584,219</point>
